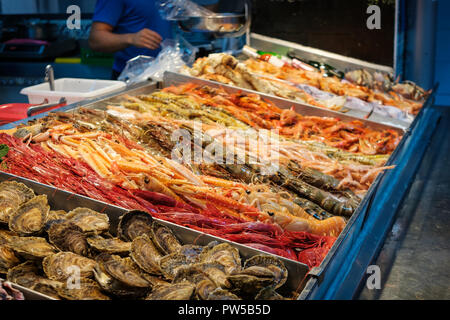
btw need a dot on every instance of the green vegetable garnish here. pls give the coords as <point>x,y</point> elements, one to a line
<point>3,150</point>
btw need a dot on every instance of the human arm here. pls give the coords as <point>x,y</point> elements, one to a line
<point>103,39</point>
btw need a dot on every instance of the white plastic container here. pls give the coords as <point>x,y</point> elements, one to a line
<point>73,89</point>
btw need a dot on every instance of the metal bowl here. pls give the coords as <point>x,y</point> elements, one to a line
<point>223,23</point>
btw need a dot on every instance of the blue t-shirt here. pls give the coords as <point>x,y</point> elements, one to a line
<point>131,16</point>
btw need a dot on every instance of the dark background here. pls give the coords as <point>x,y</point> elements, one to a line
<point>338,26</point>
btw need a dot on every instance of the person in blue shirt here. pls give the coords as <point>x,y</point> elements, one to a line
<point>129,28</point>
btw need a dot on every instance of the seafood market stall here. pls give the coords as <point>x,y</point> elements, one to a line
<point>328,262</point>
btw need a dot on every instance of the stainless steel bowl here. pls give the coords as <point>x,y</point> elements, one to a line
<point>220,24</point>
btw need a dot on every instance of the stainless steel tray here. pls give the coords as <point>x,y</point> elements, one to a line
<point>380,123</point>
<point>173,79</point>
<point>338,61</point>
<point>63,200</point>
<point>30,294</point>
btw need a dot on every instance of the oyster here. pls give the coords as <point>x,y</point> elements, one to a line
<point>7,259</point>
<point>145,254</point>
<point>271,263</point>
<point>195,274</point>
<point>88,220</point>
<point>47,287</point>
<point>187,254</point>
<point>192,274</point>
<point>133,224</point>
<point>177,291</point>
<point>216,273</point>
<point>26,275</point>
<point>164,239</point>
<point>191,252</point>
<point>154,280</point>
<point>30,217</point>
<point>247,286</point>
<point>55,216</point>
<point>221,294</point>
<point>268,293</point>
<point>12,195</point>
<point>23,274</point>
<point>113,246</point>
<point>31,247</point>
<point>60,266</point>
<point>87,290</point>
<point>204,288</point>
<point>120,276</point>
<point>67,236</point>
<point>223,253</point>
<point>170,264</point>
<point>5,236</point>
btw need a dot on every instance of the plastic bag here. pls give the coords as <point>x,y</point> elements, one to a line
<point>181,9</point>
<point>174,55</point>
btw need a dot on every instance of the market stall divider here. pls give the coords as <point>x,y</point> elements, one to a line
<point>63,200</point>
<point>344,245</point>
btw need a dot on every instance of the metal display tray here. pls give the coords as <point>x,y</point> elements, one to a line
<point>338,61</point>
<point>341,62</point>
<point>352,230</point>
<point>63,200</point>
<point>374,121</point>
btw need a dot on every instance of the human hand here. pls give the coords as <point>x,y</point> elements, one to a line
<point>146,38</point>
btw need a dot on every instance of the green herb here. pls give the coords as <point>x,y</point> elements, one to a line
<point>3,151</point>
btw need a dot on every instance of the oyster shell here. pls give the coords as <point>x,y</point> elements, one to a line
<point>187,254</point>
<point>120,276</point>
<point>67,236</point>
<point>191,252</point>
<point>192,274</point>
<point>195,274</point>
<point>31,247</point>
<point>145,254</point>
<point>26,275</point>
<point>221,294</point>
<point>133,224</point>
<point>113,245</point>
<point>5,236</point>
<point>170,264</point>
<point>178,291</point>
<point>55,216</point>
<point>88,220</point>
<point>247,286</point>
<point>46,287</point>
<point>12,195</point>
<point>223,253</point>
<point>88,290</point>
<point>23,274</point>
<point>7,259</point>
<point>268,293</point>
<point>271,263</point>
<point>60,266</point>
<point>30,217</point>
<point>216,273</point>
<point>204,288</point>
<point>164,239</point>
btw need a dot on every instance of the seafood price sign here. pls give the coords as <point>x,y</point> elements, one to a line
<point>226,309</point>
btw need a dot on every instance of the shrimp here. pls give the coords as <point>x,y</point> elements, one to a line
<point>328,227</point>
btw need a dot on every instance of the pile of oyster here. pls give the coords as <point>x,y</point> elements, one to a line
<point>73,255</point>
